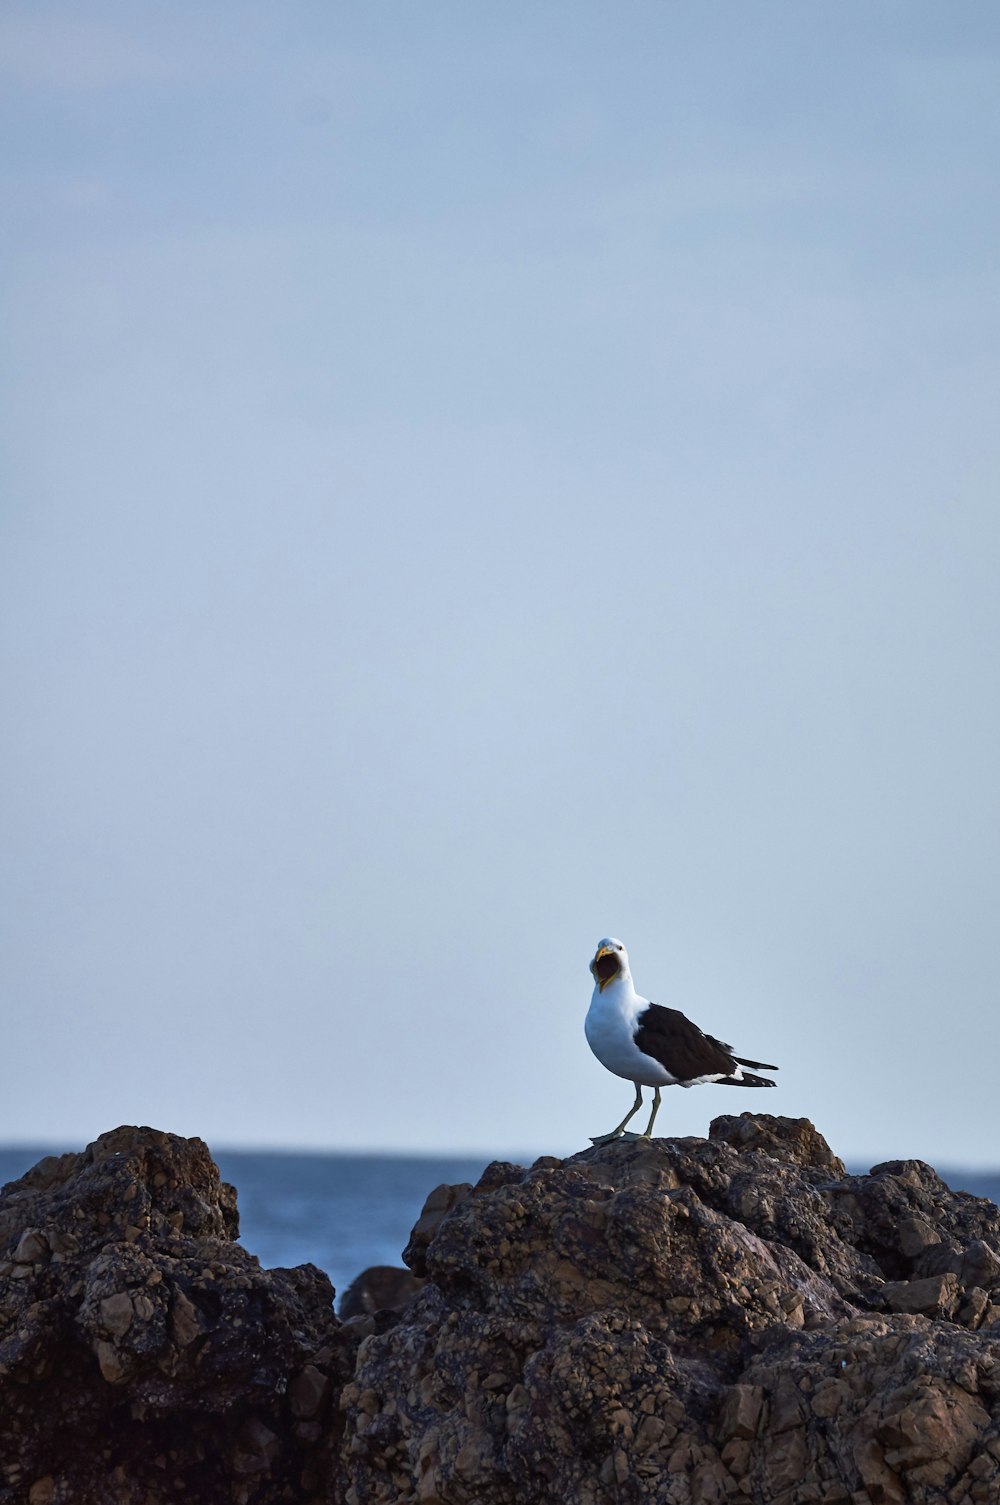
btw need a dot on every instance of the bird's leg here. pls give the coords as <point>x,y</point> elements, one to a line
<point>647,1131</point>
<point>607,1138</point>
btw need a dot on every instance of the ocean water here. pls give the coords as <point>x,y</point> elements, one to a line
<point>341,1212</point>
<point>346,1212</point>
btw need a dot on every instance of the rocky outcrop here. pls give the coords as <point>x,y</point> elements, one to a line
<point>145,1356</point>
<point>732,1319</point>
<point>674,1322</point>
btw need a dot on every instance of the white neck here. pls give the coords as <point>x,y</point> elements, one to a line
<point>618,995</point>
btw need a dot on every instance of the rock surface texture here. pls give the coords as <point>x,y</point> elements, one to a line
<point>145,1356</point>
<point>682,1320</point>
<point>685,1320</point>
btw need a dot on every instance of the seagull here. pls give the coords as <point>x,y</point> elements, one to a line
<point>653,1046</point>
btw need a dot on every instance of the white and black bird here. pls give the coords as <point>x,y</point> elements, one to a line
<point>653,1046</point>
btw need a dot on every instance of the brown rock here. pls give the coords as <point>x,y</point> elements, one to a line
<point>980,1265</point>
<point>934,1296</point>
<point>682,1321</point>
<point>788,1140</point>
<point>378,1289</point>
<point>741,1411</point>
<point>307,1392</point>
<point>143,1364</point>
<point>113,1365</point>
<point>970,1313</point>
<point>184,1322</point>
<point>31,1247</point>
<point>916,1235</point>
<point>117,1313</point>
<point>666,1322</point>
<point>436,1207</point>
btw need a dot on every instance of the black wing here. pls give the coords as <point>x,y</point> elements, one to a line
<point>680,1046</point>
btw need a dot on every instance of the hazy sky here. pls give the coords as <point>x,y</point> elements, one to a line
<point>479,477</point>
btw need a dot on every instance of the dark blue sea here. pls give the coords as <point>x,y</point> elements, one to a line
<point>346,1212</point>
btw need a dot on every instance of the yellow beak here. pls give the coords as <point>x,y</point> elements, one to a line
<point>604,951</point>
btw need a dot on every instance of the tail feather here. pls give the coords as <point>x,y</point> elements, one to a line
<point>746,1080</point>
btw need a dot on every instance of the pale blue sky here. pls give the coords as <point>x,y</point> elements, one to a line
<point>480,477</point>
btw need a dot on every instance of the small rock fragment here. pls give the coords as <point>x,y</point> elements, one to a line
<point>32,1247</point>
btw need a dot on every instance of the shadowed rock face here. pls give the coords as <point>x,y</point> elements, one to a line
<point>144,1356</point>
<point>382,1288</point>
<point>674,1322</point>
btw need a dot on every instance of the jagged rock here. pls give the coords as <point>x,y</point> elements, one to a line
<point>144,1356</point>
<point>730,1321</point>
<point>794,1140</point>
<point>684,1321</point>
<point>381,1288</point>
<point>437,1204</point>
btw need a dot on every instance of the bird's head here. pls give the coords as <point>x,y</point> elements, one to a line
<point>610,962</point>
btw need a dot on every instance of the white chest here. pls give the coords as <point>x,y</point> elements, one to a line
<point>609,1027</point>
